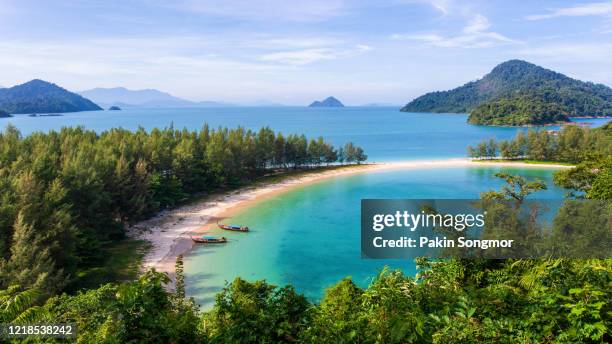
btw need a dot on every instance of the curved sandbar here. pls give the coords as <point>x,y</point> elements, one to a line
<point>169,231</point>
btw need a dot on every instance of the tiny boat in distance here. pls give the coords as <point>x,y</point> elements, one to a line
<point>209,240</point>
<point>233,227</point>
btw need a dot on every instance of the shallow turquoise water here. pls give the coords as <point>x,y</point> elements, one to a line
<point>385,133</point>
<point>309,236</point>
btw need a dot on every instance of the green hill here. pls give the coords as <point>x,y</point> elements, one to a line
<point>327,102</point>
<point>519,93</point>
<point>38,96</point>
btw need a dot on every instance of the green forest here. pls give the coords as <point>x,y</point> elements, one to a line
<point>49,189</point>
<point>589,149</point>
<point>571,144</point>
<point>519,93</point>
<point>525,109</point>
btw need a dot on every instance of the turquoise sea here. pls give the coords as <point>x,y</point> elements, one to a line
<point>309,236</point>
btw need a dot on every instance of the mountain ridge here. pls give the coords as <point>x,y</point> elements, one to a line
<point>517,92</point>
<point>124,97</point>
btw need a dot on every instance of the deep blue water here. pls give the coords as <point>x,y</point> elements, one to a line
<point>385,133</point>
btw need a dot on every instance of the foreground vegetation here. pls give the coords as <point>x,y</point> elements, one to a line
<point>66,197</point>
<point>448,301</point>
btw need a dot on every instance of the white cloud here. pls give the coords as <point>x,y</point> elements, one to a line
<point>441,5</point>
<point>262,10</point>
<point>199,68</point>
<point>591,9</point>
<point>296,42</point>
<point>363,47</point>
<point>300,57</point>
<point>477,24</point>
<point>571,51</point>
<point>134,63</point>
<point>474,35</point>
<point>425,37</point>
<point>308,56</point>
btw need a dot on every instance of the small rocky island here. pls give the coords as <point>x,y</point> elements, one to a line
<point>328,102</point>
<point>114,108</point>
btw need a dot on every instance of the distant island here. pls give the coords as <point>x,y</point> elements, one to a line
<point>114,108</point>
<point>4,114</point>
<point>328,102</point>
<point>519,93</point>
<point>45,115</point>
<point>123,97</point>
<point>38,96</point>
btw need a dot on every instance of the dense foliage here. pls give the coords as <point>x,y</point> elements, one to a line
<point>523,109</point>
<point>589,149</point>
<point>67,196</point>
<point>448,301</point>
<point>136,312</point>
<point>519,93</point>
<point>38,96</point>
<point>571,144</point>
<point>451,301</point>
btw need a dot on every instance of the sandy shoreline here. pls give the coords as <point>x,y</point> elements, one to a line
<point>169,231</point>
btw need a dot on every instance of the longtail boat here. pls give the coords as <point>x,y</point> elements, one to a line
<point>209,240</point>
<point>233,227</point>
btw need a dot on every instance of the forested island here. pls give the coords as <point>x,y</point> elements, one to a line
<point>327,102</point>
<point>519,93</point>
<point>4,114</point>
<point>38,96</point>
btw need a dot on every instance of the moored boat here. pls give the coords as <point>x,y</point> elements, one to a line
<point>233,227</point>
<point>209,240</point>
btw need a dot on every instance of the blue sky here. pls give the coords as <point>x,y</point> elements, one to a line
<point>386,51</point>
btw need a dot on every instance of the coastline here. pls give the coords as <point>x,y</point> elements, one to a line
<point>169,231</point>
